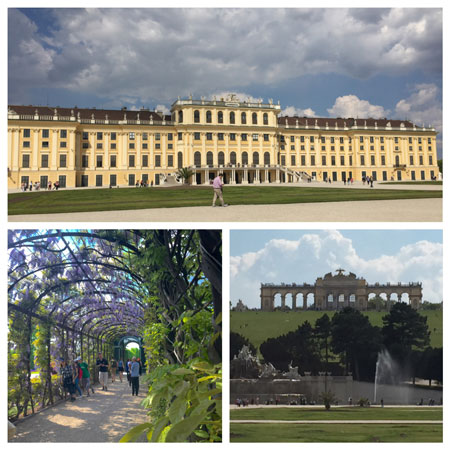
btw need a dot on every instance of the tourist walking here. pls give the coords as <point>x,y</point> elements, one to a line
<point>113,370</point>
<point>135,367</point>
<point>102,365</point>
<point>67,379</point>
<point>77,374</point>
<point>85,378</point>
<point>218,189</point>
<point>129,371</point>
<point>120,368</point>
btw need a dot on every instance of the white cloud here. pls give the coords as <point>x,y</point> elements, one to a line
<point>163,108</point>
<point>352,106</point>
<point>155,54</point>
<point>423,106</point>
<point>314,254</point>
<point>293,111</point>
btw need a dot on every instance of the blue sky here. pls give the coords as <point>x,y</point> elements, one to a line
<point>303,255</point>
<point>323,62</point>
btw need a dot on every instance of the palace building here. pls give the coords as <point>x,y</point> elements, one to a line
<point>247,142</point>
<point>335,292</point>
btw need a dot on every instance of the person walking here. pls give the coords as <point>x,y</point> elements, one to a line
<point>129,371</point>
<point>120,368</point>
<point>113,370</point>
<point>67,379</point>
<point>102,364</point>
<point>85,378</point>
<point>77,374</point>
<point>135,366</point>
<point>218,190</point>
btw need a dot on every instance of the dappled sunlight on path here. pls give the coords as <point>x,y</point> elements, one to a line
<point>103,417</point>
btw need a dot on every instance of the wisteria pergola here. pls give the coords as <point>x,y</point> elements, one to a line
<point>83,289</point>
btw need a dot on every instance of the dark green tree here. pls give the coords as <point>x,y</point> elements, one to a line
<point>404,329</point>
<point>356,341</point>
<point>237,341</point>
<point>322,331</point>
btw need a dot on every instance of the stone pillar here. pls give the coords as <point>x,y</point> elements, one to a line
<point>277,176</point>
<point>245,176</point>
<point>283,300</point>
<point>266,175</point>
<point>233,176</point>
<point>305,301</point>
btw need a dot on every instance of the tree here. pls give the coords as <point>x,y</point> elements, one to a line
<point>404,329</point>
<point>356,341</point>
<point>440,165</point>
<point>322,330</point>
<point>185,174</point>
<point>327,398</point>
<point>298,347</point>
<point>237,341</point>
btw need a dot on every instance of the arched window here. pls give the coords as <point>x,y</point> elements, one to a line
<point>265,119</point>
<point>330,298</point>
<point>208,117</point>
<point>220,117</point>
<point>180,116</point>
<point>209,158</point>
<point>197,116</point>
<point>267,158</point>
<point>255,158</point>
<point>244,158</point>
<point>197,159</point>
<point>221,158</point>
<point>233,158</point>
<point>254,119</point>
<point>232,117</point>
<point>352,298</point>
<point>243,118</point>
<point>180,160</point>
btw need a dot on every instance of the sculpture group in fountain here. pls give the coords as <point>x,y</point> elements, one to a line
<point>246,365</point>
<point>292,373</point>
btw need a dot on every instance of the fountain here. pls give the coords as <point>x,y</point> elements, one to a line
<point>387,371</point>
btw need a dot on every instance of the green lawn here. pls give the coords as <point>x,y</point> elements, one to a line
<point>257,326</point>
<point>334,433</point>
<point>85,200</point>
<point>355,413</point>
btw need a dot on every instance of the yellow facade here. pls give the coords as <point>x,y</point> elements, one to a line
<point>248,142</point>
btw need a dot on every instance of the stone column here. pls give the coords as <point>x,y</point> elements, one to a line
<point>233,176</point>
<point>283,300</point>
<point>245,176</point>
<point>278,176</point>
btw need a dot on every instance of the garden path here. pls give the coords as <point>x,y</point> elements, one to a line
<point>103,417</point>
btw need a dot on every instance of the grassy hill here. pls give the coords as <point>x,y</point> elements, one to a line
<point>257,326</point>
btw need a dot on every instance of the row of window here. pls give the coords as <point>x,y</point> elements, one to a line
<point>131,146</point>
<point>231,117</point>
<point>45,133</point>
<point>220,160</point>
<point>157,137</point>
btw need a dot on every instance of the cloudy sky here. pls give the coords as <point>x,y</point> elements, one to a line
<point>275,256</point>
<point>317,62</point>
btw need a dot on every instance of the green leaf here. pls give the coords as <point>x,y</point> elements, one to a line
<point>135,432</point>
<point>183,371</point>
<point>177,409</point>
<point>182,430</point>
<point>202,434</point>
<point>203,365</point>
<point>159,426</point>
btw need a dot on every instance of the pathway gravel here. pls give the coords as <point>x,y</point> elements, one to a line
<point>103,417</point>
